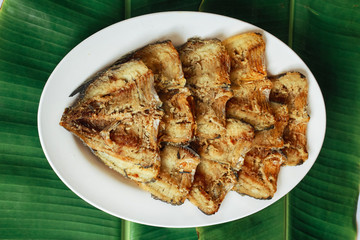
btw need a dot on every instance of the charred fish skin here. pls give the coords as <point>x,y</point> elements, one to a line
<point>118,118</point>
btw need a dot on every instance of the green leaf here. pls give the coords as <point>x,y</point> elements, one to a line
<point>272,16</point>
<point>141,7</point>
<point>135,231</point>
<point>36,35</point>
<point>266,224</point>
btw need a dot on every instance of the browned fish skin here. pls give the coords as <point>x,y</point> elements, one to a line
<point>172,185</point>
<point>258,176</point>
<point>213,180</point>
<point>178,124</point>
<point>250,104</point>
<point>118,118</point>
<point>229,148</point>
<point>248,80</point>
<point>177,127</point>
<point>206,64</point>
<point>247,54</point>
<point>206,67</point>
<point>220,142</point>
<point>273,138</point>
<point>291,89</point>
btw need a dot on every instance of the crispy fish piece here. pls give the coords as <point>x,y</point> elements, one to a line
<point>258,175</point>
<point>117,116</point>
<point>172,185</point>
<point>213,180</point>
<point>273,138</point>
<point>178,124</point>
<point>206,63</point>
<point>248,78</point>
<point>229,148</point>
<point>206,66</point>
<point>250,104</point>
<point>291,89</point>
<point>295,140</point>
<point>210,114</point>
<point>247,54</point>
<point>163,60</point>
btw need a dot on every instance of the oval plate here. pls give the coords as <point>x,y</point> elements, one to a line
<point>107,190</point>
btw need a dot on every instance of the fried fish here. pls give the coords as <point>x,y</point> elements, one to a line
<point>220,142</point>
<point>117,116</point>
<point>172,185</point>
<point>206,66</point>
<point>178,124</point>
<point>250,102</point>
<point>291,89</point>
<point>247,54</point>
<point>213,180</point>
<point>258,175</point>
<point>230,147</point>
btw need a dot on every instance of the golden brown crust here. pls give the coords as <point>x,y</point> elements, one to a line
<point>273,138</point>
<point>250,104</point>
<point>291,89</point>
<point>248,81</point>
<point>172,185</point>
<point>163,60</point>
<point>118,118</point>
<point>295,147</point>
<point>206,63</point>
<point>258,176</point>
<point>247,54</point>
<point>213,180</point>
<point>178,124</point>
<point>206,67</point>
<point>229,147</point>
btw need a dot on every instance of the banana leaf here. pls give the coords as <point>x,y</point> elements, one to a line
<point>36,35</point>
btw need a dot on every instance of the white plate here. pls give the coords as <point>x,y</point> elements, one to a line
<point>107,190</point>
